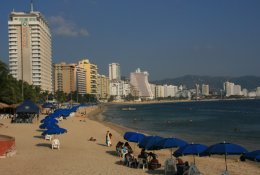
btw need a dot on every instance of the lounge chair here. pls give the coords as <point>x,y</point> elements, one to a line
<point>48,137</point>
<point>169,166</point>
<point>193,170</point>
<point>142,163</point>
<point>55,144</point>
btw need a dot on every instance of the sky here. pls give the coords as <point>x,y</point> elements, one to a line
<point>167,38</point>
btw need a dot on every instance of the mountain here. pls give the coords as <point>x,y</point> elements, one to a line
<point>215,83</point>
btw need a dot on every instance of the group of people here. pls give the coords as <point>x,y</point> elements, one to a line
<point>125,151</point>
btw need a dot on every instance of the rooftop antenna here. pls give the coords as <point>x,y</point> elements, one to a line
<point>31,5</point>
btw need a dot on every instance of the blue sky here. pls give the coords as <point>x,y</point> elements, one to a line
<point>168,38</point>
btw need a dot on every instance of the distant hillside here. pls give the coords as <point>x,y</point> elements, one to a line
<point>216,83</point>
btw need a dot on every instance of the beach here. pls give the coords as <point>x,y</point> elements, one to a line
<point>78,155</point>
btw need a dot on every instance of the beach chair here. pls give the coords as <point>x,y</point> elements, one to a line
<point>48,137</point>
<point>193,170</point>
<point>55,144</point>
<point>142,163</point>
<point>169,166</point>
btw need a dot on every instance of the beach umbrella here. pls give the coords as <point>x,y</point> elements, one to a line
<point>252,155</point>
<point>190,149</point>
<point>225,149</point>
<point>257,158</point>
<point>133,136</point>
<point>170,143</point>
<point>149,142</point>
<point>48,125</point>
<point>52,131</point>
<point>49,120</point>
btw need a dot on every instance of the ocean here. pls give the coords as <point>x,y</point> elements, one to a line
<point>206,122</point>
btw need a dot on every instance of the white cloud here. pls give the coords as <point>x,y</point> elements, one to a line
<point>63,27</point>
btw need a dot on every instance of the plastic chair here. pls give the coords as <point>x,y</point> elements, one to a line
<point>55,144</point>
<point>142,162</point>
<point>48,137</point>
<point>169,166</point>
<point>193,170</point>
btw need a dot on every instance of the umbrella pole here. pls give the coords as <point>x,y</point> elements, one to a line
<point>194,159</point>
<point>226,161</point>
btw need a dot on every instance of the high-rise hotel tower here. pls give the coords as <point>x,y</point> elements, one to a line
<point>114,71</point>
<point>30,57</point>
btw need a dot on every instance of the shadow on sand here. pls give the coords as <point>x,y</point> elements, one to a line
<point>101,144</point>
<point>40,130</point>
<point>39,137</point>
<point>48,145</point>
<point>159,171</point>
<point>113,153</point>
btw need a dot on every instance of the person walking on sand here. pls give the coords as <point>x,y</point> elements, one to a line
<point>107,138</point>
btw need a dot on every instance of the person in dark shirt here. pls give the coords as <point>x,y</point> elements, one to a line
<point>154,163</point>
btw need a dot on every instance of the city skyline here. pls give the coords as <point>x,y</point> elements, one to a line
<point>168,39</point>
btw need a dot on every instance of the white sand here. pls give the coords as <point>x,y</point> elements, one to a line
<point>79,156</point>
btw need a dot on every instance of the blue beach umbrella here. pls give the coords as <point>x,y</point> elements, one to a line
<point>252,155</point>
<point>257,158</point>
<point>149,142</point>
<point>225,149</point>
<point>52,131</point>
<point>49,120</point>
<point>48,125</point>
<point>133,136</point>
<point>170,143</point>
<point>190,149</point>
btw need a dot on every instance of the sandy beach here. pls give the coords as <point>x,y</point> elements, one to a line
<point>78,155</point>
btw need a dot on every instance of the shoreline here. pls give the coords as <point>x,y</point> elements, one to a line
<point>176,101</point>
<point>164,154</point>
<point>78,155</point>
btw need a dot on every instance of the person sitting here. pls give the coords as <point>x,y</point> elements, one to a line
<point>124,151</point>
<point>119,146</point>
<point>186,168</point>
<point>128,147</point>
<point>143,154</point>
<point>130,160</point>
<point>180,166</point>
<point>154,163</point>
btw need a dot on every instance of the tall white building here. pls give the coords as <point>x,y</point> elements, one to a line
<point>30,50</point>
<point>140,84</point>
<point>114,71</point>
<point>237,90</point>
<point>205,89</point>
<point>229,88</point>
<point>81,80</point>
<point>159,91</point>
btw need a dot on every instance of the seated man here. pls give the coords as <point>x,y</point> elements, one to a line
<point>179,166</point>
<point>154,163</point>
<point>186,168</point>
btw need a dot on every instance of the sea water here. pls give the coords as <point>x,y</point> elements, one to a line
<point>206,122</point>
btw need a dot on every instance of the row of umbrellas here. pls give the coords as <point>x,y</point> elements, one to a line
<point>157,143</point>
<point>50,122</point>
